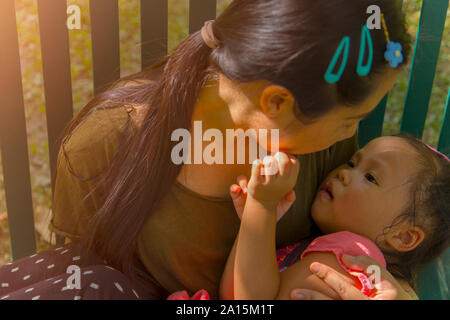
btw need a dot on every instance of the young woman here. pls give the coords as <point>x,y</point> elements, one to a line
<point>262,64</point>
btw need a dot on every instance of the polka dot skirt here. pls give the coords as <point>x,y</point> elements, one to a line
<point>39,277</point>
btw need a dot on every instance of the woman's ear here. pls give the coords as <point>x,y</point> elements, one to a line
<point>276,99</point>
<point>405,238</point>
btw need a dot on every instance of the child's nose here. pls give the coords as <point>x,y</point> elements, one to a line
<point>344,176</point>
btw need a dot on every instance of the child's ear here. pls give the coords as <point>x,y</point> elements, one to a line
<point>405,238</point>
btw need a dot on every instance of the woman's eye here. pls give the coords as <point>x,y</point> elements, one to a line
<point>371,179</point>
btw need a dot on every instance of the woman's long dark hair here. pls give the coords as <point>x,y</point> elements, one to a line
<point>286,42</point>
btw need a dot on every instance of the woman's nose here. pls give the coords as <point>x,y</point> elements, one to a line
<point>344,176</point>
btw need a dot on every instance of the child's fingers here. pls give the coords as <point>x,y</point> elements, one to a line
<point>235,191</point>
<point>283,162</point>
<point>243,183</point>
<point>258,171</point>
<point>270,167</point>
<point>295,165</point>
<point>238,198</point>
<point>290,196</point>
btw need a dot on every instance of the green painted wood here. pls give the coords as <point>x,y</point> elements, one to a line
<point>105,43</point>
<point>154,31</point>
<point>434,279</point>
<point>199,12</point>
<point>426,53</point>
<point>54,37</point>
<point>444,139</point>
<point>372,126</point>
<point>13,138</point>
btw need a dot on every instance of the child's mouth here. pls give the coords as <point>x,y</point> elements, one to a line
<point>327,191</point>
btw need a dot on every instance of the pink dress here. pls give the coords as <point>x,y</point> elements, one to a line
<point>339,243</point>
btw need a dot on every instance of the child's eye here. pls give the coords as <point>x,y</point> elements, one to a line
<point>351,164</point>
<point>371,179</point>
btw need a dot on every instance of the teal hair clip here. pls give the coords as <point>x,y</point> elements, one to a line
<point>344,46</point>
<point>361,69</point>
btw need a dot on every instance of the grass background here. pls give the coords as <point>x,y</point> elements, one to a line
<point>129,21</point>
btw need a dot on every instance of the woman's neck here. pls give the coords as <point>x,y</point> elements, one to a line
<point>212,112</point>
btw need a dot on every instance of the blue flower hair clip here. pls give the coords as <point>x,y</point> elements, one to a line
<point>393,54</point>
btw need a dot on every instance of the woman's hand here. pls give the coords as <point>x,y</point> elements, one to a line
<point>387,288</point>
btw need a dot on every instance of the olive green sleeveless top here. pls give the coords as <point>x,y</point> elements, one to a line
<point>185,244</point>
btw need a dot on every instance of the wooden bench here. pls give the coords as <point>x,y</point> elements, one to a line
<point>106,67</point>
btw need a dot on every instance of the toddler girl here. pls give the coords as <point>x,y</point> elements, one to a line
<point>391,201</point>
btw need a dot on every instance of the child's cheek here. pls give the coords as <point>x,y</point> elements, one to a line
<point>350,209</point>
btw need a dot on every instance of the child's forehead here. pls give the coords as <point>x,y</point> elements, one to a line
<point>387,146</point>
<point>394,152</point>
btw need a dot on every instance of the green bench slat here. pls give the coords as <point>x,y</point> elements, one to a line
<point>434,279</point>
<point>444,138</point>
<point>426,53</point>
<point>199,12</point>
<point>105,42</point>
<point>56,72</point>
<point>154,31</point>
<point>13,138</point>
<point>372,126</point>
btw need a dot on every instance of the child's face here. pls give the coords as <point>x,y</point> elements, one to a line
<point>365,195</point>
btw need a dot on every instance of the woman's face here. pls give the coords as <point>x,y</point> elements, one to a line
<point>366,194</point>
<point>339,124</point>
<point>273,107</point>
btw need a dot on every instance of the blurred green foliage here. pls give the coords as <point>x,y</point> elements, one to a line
<point>129,21</point>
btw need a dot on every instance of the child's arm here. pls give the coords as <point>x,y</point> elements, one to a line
<point>299,276</point>
<point>255,273</point>
<point>226,290</point>
<point>239,196</point>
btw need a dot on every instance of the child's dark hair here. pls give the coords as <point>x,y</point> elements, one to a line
<point>429,209</point>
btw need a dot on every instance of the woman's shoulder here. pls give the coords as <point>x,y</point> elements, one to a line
<point>99,126</point>
<point>93,141</point>
<point>90,146</point>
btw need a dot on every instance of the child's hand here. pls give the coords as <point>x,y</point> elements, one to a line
<point>239,191</point>
<point>273,178</point>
